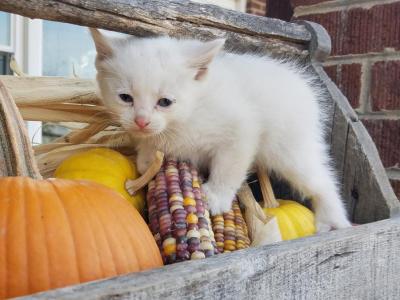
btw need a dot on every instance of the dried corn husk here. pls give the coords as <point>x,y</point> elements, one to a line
<point>262,229</point>
<point>134,185</point>
<point>32,90</point>
<point>66,100</point>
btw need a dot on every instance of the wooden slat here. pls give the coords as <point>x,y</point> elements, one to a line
<point>365,186</point>
<point>340,129</point>
<point>356,263</point>
<point>179,18</point>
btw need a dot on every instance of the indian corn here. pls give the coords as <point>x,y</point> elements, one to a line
<point>180,221</point>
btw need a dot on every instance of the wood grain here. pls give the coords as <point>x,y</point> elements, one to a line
<point>177,18</point>
<point>356,263</point>
<point>365,187</point>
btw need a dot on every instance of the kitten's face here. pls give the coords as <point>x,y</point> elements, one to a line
<point>151,84</point>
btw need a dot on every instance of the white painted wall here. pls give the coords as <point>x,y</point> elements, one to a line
<point>239,5</point>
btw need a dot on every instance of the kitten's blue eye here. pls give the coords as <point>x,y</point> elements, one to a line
<point>164,102</point>
<point>126,98</point>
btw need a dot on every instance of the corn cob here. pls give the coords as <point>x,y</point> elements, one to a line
<point>230,230</point>
<point>176,214</point>
<point>180,221</point>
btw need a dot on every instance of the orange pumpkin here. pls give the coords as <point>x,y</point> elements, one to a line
<point>57,232</point>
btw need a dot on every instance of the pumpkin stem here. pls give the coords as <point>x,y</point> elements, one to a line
<point>266,189</point>
<point>16,154</point>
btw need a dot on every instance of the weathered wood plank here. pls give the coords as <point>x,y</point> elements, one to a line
<point>365,186</point>
<point>340,130</point>
<point>320,44</point>
<point>356,263</point>
<point>178,18</point>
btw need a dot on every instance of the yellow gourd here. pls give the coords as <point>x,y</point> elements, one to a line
<point>104,166</point>
<point>294,220</point>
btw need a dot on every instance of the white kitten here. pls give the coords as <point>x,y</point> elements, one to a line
<point>224,112</point>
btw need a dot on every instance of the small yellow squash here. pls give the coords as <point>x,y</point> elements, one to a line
<point>294,220</point>
<point>104,166</point>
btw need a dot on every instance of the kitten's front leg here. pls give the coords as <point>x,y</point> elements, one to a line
<point>145,156</point>
<point>227,172</point>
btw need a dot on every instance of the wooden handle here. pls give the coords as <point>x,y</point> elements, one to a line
<point>266,189</point>
<point>16,154</point>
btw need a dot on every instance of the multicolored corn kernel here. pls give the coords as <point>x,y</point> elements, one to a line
<point>230,230</point>
<point>177,214</point>
<point>242,237</point>
<point>218,229</point>
<point>180,220</point>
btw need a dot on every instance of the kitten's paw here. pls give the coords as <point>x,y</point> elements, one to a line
<point>328,223</point>
<point>218,201</point>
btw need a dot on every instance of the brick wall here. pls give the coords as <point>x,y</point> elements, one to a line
<point>256,7</point>
<point>365,64</point>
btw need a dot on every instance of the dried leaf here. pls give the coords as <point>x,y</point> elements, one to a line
<point>263,229</point>
<point>134,185</point>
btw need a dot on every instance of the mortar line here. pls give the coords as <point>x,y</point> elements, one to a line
<point>365,78</point>
<point>337,5</point>
<point>393,173</point>
<point>387,115</point>
<point>387,55</point>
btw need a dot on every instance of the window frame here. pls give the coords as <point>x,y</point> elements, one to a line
<point>10,48</point>
<point>7,70</point>
<point>26,47</point>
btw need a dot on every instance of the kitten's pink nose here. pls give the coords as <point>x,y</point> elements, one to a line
<point>141,122</point>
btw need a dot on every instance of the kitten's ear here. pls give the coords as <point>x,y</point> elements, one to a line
<point>203,54</point>
<point>103,47</point>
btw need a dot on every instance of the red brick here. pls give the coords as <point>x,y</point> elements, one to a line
<point>396,186</point>
<point>361,30</point>
<point>385,134</point>
<point>256,7</point>
<point>385,86</point>
<point>348,79</point>
<point>257,4</point>
<point>332,73</point>
<point>331,22</point>
<point>281,9</point>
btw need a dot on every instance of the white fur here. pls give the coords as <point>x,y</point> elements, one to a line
<point>242,110</point>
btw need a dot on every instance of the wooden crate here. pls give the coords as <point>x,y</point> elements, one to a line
<point>356,263</point>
